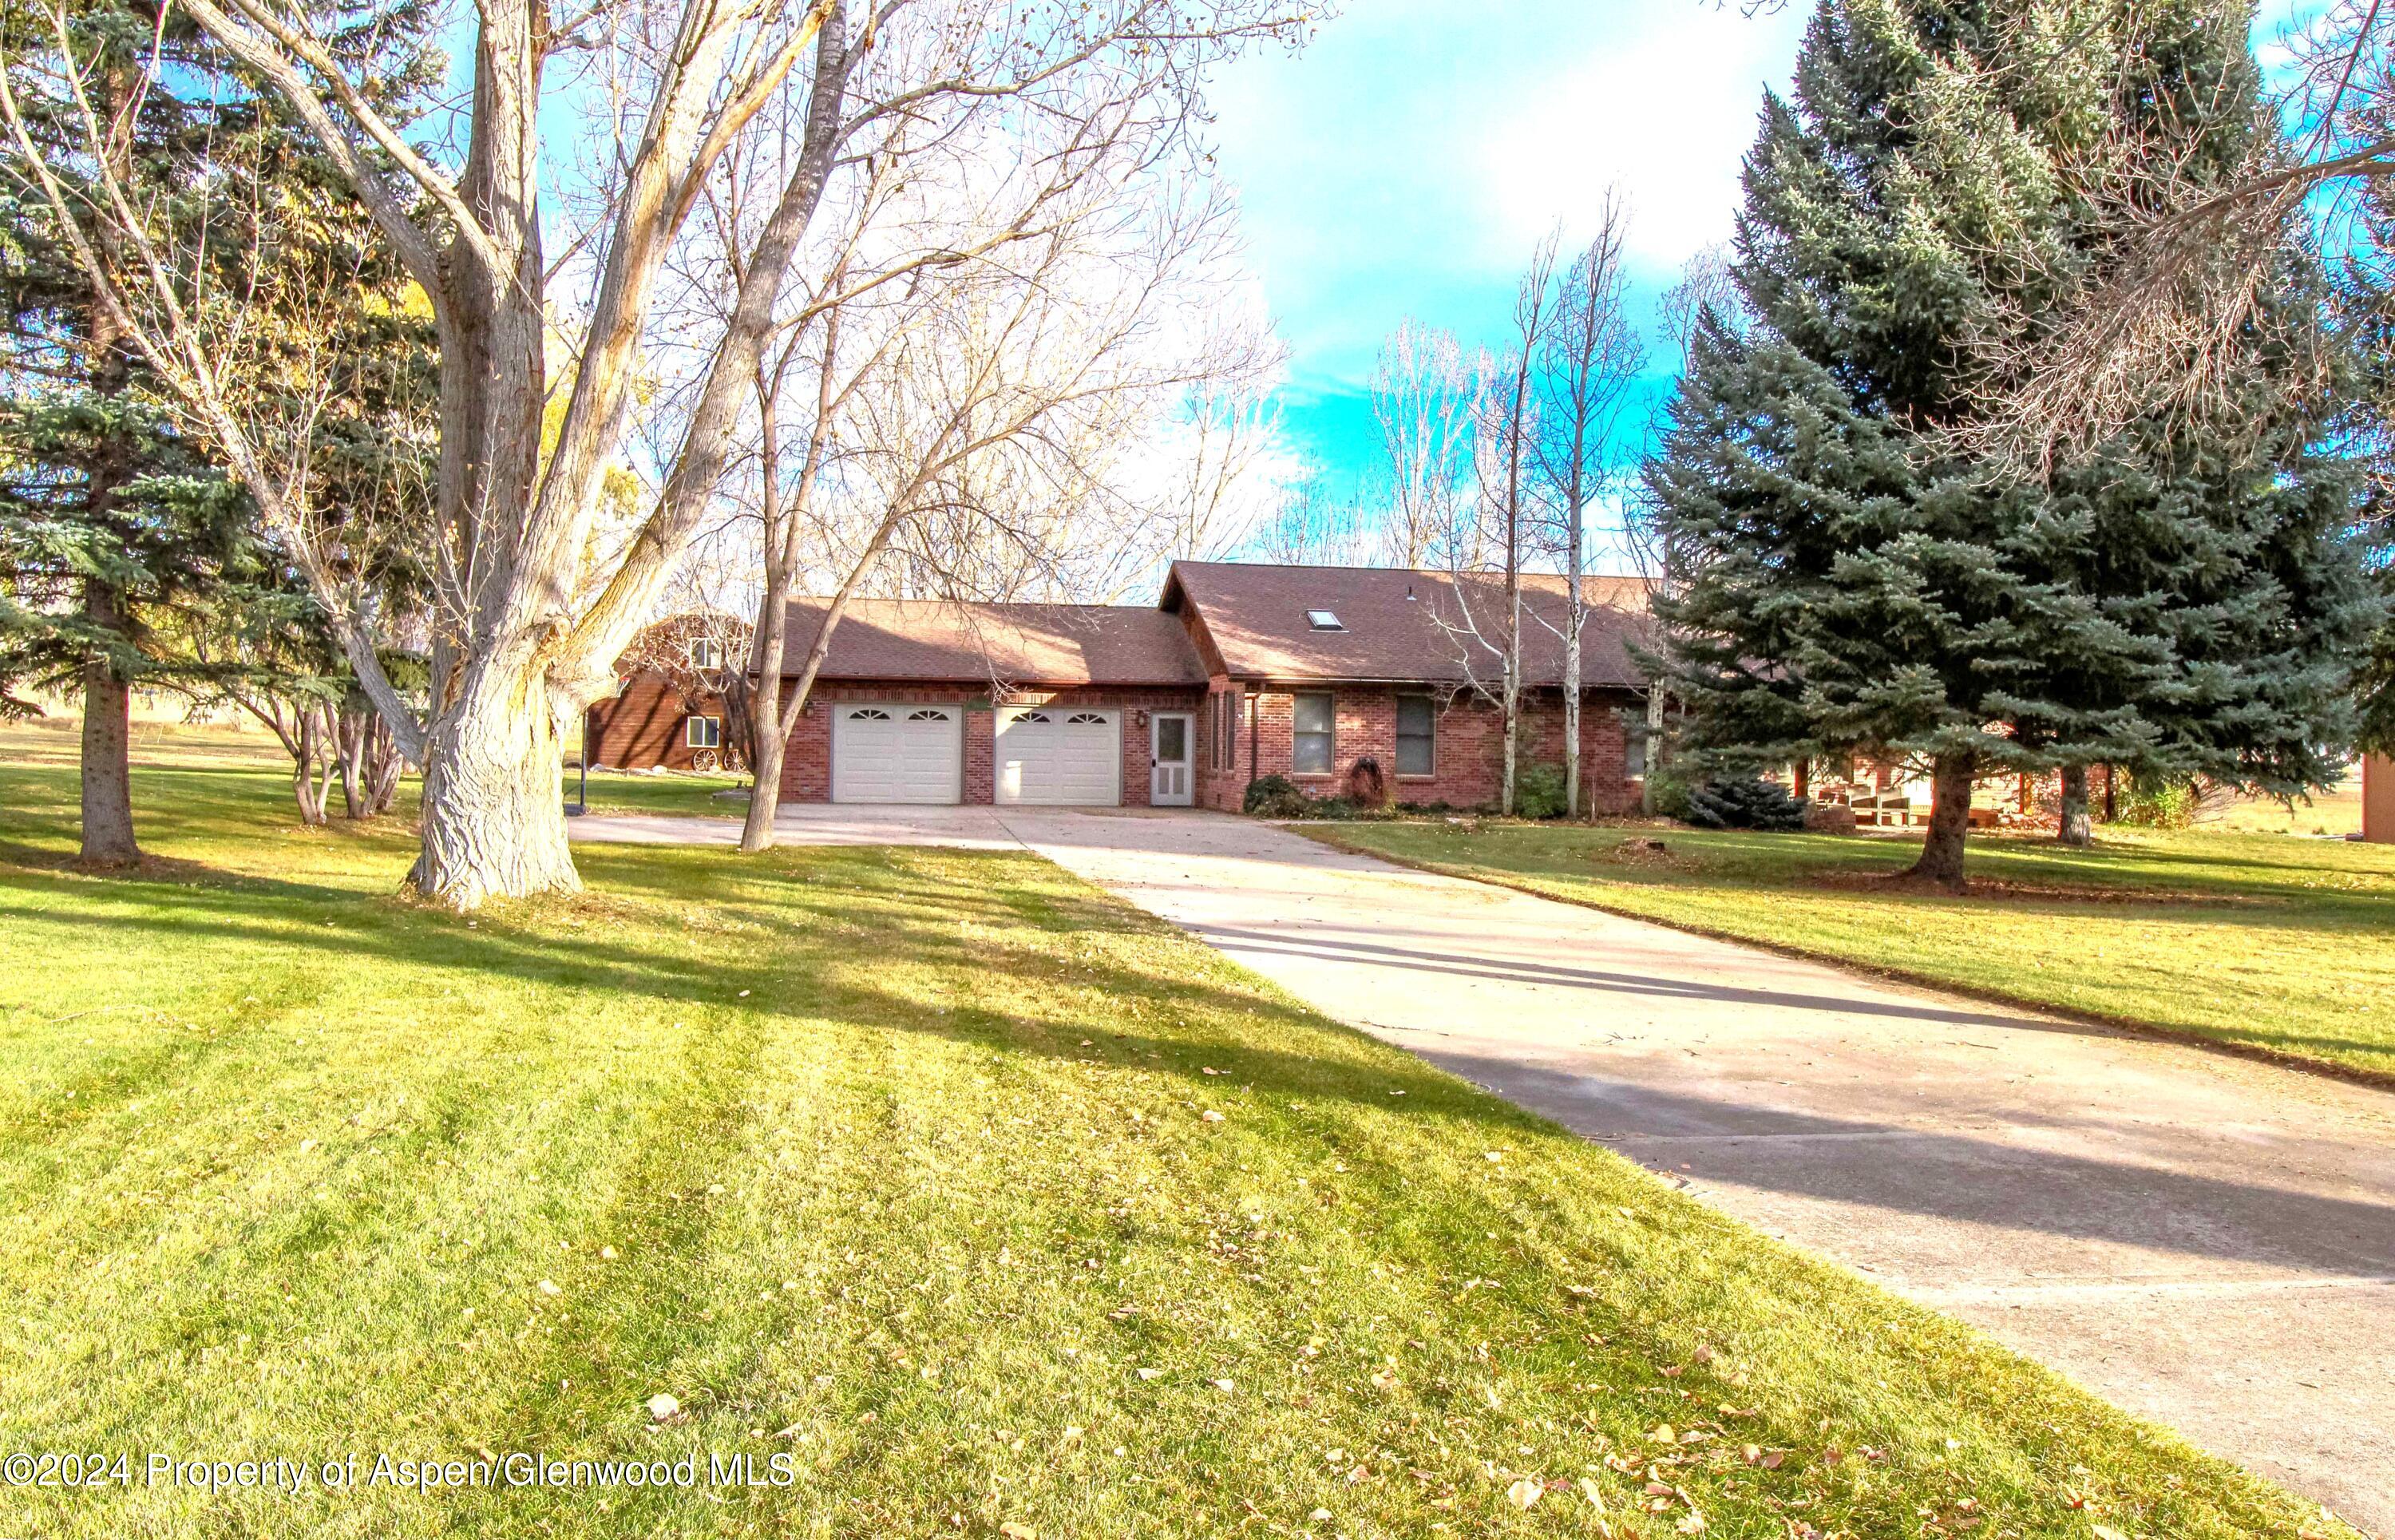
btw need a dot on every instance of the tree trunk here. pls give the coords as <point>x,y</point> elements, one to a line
<point>1950,820</point>
<point>107,749</point>
<point>1654,747</point>
<point>2076,827</point>
<point>769,717</point>
<point>355,720</point>
<point>494,800</point>
<point>384,765</point>
<point>1572,608</point>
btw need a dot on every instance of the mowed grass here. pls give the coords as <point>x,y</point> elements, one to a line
<point>2275,945</point>
<point>975,1196</point>
<point>685,793</point>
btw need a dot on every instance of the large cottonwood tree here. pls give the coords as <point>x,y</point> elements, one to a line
<point>542,263</point>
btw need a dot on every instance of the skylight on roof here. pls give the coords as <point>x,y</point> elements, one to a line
<point>1323,620</point>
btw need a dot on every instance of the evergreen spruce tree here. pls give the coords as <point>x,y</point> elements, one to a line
<point>121,542</point>
<point>108,519</point>
<point>1842,578</point>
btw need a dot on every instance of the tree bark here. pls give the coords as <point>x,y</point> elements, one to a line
<point>107,754</point>
<point>1654,747</point>
<point>494,799</point>
<point>1573,603</point>
<point>1950,820</point>
<point>2076,828</point>
<point>769,721</point>
<point>354,726</point>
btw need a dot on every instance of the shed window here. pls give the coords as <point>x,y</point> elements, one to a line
<point>1311,749</point>
<point>705,733</point>
<point>1416,727</point>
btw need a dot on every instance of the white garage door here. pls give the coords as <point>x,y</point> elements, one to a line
<point>1057,755</point>
<point>897,754</point>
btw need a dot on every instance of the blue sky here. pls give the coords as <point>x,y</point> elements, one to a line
<point>1408,159</point>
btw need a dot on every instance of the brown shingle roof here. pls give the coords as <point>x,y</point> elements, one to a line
<point>1402,624</point>
<point>1029,644</point>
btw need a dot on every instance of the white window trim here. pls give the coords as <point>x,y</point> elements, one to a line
<point>690,732</point>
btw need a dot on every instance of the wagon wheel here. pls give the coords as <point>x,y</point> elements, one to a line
<point>706,761</point>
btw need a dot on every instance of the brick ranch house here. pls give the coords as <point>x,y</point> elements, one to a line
<point>1239,670</point>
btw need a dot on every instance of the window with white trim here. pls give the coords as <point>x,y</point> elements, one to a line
<point>700,732</point>
<point>926,714</point>
<point>1312,748</point>
<point>1225,728</point>
<point>1085,719</point>
<point>1417,735</point>
<point>705,652</point>
<point>869,714</point>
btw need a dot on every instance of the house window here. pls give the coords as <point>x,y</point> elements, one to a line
<point>1324,621</point>
<point>1633,753</point>
<point>1225,730</point>
<point>703,732</point>
<point>1310,748</point>
<point>1415,735</point>
<point>705,652</point>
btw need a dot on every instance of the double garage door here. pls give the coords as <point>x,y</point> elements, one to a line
<point>1050,755</point>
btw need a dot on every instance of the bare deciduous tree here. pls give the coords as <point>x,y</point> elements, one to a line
<point>1421,396</point>
<point>534,599</point>
<point>1506,428</point>
<point>1590,359</point>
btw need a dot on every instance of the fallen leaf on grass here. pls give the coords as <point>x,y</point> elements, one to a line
<point>1525,1493</point>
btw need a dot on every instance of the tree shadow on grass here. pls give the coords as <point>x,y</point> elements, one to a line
<point>1946,1174</point>
<point>776,966</point>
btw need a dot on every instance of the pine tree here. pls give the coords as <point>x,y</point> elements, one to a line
<point>108,519</point>
<point>122,544</point>
<point>1844,578</point>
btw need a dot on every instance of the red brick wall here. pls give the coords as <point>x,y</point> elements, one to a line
<point>1467,754</point>
<point>1215,788</point>
<point>806,768</point>
<point>641,729</point>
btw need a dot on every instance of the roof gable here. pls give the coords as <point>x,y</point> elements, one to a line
<point>951,642</point>
<point>1406,625</point>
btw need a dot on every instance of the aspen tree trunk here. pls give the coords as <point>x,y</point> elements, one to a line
<point>1572,668</point>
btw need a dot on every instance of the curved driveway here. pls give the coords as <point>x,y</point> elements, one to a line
<point>2200,1239</point>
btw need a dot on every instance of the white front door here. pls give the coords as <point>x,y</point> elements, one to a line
<point>1169,780</point>
<point>1059,756</point>
<point>897,754</point>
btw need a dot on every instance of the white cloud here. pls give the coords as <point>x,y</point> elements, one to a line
<point>1406,162</point>
<point>1662,102</point>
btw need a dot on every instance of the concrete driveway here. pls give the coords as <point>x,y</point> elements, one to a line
<point>2205,1241</point>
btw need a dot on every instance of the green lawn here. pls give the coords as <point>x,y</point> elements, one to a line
<point>624,791</point>
<point>979,1199</point>
<point>2276,944</point>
